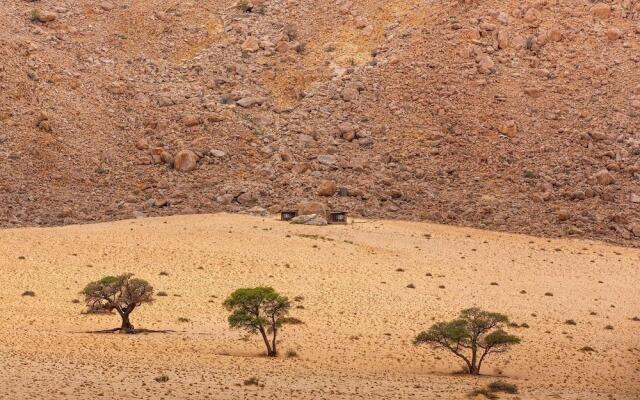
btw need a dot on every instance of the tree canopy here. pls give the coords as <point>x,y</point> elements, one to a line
<point>258,310</point>
<point>472,336</point>
<point>122,293</point>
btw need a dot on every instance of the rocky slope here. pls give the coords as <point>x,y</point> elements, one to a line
<point>516,116</point>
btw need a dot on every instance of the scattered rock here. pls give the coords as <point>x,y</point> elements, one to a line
<point>142,144</point>
<point>251,44</point>
<point>191,120</point>
<point>312,207</point>
<point>614,33</point>
<point>327,159</point>
<point>185,161</point>
<point>601,10</point>
<point>509,128</point>
<point>44,16</point>
<point>603,178</point>
<point>327,188</point>
<point>312,219</point>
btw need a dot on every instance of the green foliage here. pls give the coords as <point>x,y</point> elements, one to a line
<point>252,308</point>
<point>108,280</point>
<point>500,337</point>
<point>122,293</point>
<point>472,336</point>
<point>258,310</point>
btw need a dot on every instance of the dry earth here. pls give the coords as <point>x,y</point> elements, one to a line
<point>360,316</point>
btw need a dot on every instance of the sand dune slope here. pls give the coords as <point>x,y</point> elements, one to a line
<point>359,315</point>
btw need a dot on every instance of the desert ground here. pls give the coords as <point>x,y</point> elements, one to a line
<point>359,315</point>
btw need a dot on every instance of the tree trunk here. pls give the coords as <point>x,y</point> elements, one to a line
<point>473,369</point>
<point>273,345</point>
<point>126,327</point>
<point>266,342</point>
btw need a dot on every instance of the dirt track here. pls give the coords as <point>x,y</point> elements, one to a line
<point>360,317</point>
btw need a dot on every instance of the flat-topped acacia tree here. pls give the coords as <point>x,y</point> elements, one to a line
<point>122,293</point>
<point>473,336</point>
<point>258,310</point>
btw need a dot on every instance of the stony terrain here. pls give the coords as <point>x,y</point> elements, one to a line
<point>513,116</point>
<point>363,291</point>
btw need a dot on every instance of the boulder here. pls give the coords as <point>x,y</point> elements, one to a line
<point>327,188</point>
<point>312,219</point>
<point>312,207</point>
<point>185,161</point>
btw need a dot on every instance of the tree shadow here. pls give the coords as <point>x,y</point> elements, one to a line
<point>135,332</point>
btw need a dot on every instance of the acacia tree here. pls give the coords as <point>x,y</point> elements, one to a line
<point>121,293</point>
<point>473,336</point>
<point>258,310</point>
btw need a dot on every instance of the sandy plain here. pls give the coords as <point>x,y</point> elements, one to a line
<point>359,315</point>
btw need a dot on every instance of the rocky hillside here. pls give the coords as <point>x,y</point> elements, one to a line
<point>516,116</point>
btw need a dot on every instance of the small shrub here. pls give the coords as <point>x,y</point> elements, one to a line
<point>587,349</point>
<point>292,353</point>
<point>300,48</point>
<point>549,294</point>
<point>244,6</point>
<point>183,319</point>
<point>162,294</point>
<point>163,273</point>
<point>411,286</point>
<point>502,386</point>
<point>292,321</point>
<point>75,301</point>
<point>609,327</point>
<point>570,322</point>
<point>161,378</point>
<point>251,381</point>
<point>28,293</point>
<point>35,16</point>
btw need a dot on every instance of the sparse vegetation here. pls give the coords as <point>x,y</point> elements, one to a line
<point>122,293</point>
<point>502,386</point>
<point>258,310</point>
<point>161,378</point>
<point>251,381</point>
<point>473,336</point>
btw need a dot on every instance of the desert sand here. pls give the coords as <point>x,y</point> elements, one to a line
<point>359,315</point>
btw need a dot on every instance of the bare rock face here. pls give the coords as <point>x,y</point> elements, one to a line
<point>312,207</point>
<point>185,161</point>
<point>518,100</point>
